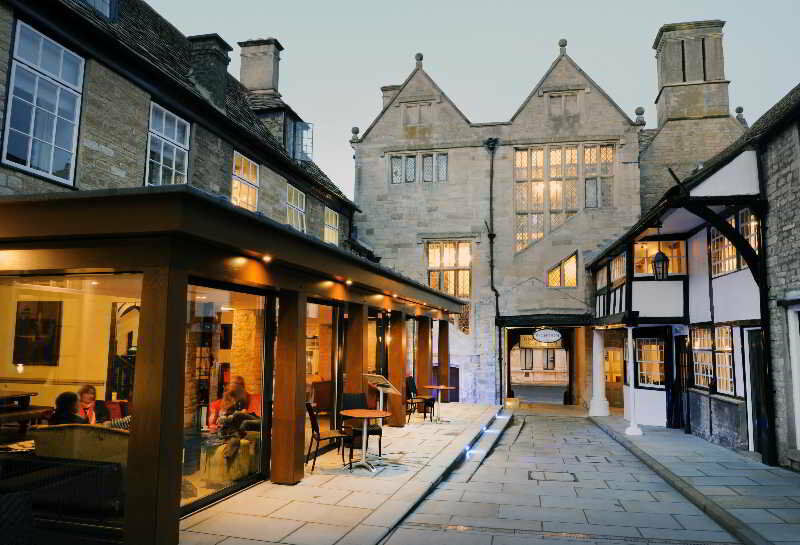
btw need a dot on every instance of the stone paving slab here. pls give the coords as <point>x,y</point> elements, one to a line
<point>757,503</point>
<point>335,506</point>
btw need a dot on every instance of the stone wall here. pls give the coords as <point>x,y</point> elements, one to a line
<point>210,162</point>
<point>781,170</point>
<point>721,421</point>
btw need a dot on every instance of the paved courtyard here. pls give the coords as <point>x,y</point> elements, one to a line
<point>556,480</point>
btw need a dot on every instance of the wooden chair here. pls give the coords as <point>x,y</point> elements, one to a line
<point>328,435</point>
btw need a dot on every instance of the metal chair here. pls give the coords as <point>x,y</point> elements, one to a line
<point>427,402</point>
<point>328,435</point>
<point>359,401</point>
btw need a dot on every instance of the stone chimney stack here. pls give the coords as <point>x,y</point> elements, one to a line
<point>210,61</point>
<point>260,65</point>
<point>388,92</point>
<point>691,71</point>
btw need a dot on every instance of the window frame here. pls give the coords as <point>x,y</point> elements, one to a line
<point>301,212</point>
<point>638,363</point>
<point>244,181</point>
<point>734,219</point>
<point>442,268</point>
<point>168,140</point>
<point>419,167</point>
<point>704,348</point>
<point>39,71</point>
<point>561,266</point>
<point>673,258</point>
<point>329,227</point>
<point>727,350</point>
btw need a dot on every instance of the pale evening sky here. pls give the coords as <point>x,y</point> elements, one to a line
<point>486,56</point>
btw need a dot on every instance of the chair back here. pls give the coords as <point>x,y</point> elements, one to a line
<point>411,387</point>
<point>312,416</point>
<point>354,401</point>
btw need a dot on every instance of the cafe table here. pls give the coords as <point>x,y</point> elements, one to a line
<point>365,415</point>
<point>439,398</point>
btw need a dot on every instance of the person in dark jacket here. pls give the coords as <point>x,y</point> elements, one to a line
<point>67,410</point>
<point>96,412</point>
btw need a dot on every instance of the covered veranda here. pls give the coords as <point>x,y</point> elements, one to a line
<point>210,305</point>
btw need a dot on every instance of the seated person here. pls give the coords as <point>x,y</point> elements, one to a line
<point>67,411</point>
<point>233,414</point>
<point>95,412</point>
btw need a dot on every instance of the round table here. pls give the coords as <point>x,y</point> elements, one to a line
<point>365,415</point>
<point>439,398</point>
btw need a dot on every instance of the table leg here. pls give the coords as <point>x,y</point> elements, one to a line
<point>438,406</point>
<point>364,463</point>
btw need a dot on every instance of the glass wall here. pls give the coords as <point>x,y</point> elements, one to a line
<point>322,358</point>
<point>223,441</point>
<point>67,360</point>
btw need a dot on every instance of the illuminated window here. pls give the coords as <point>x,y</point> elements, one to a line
<point>44,108</point>
<point>296,208</point>
<point>450,267</point>
<point>702,357</point>
<point>244,188</point>
<point>749,228</point>
<point>650,362</point>
<point>565,274</point>
<point>601,278</point>
<point>723,360</point>
<point>618,268</point>
<point>167,148</point>
<point>529,199</point>
<point>723,254</point>
<point>645,251</point>
<point>331,227</point>
<point>613,365</point>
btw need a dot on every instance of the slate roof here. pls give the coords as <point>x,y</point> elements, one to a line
<point>141,29</point>
<point>646,137</point>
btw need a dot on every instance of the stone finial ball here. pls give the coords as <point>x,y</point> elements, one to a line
<point>639,111</point>
<point>562,43</point>
<point>739,109</point>
<point>418,57</point>
<point>354,130</point>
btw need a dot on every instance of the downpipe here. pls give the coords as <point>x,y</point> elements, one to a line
<point>491,146</point>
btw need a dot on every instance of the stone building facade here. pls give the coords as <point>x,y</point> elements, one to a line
<point>530,199</point>
<point>146,65</point>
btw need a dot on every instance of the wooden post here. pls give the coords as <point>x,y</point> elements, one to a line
<point>444,357</point>
<point>356,346</point>
<point>424,354</point>
<point>398,352</point>
<point>152,511</point>
<point>288,425</point>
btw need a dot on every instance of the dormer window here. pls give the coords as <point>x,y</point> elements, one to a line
<point>101,6</point>
<point>300,140</point>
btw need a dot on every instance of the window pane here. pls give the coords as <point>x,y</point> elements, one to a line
<point>537,164</point>
<point>29,44</point>
<point>153,173</point>
<point>166,175</point>
<point>155,149</point>
<point>537,196</point>
<point>168,156</point>
<point>21,115</point>
<point>64,134</point>
<point>748,226</point>
<point>222,424</point>
<point>556,195</point>
<point>46,95</point>
<point>434,255</point>
<point>557,219</point>
<point>441,167</point>
<point>157,119</point>
<point>571,162</point>
<point>464,257</point>
<point>537,226</point>
<point>70,345</point>
<point>67,105</point>
<point>24,83</point>
<point>449,282</point>
<point>522,189</point>
<point>62,163</point>
<point>570,194</point>
<point>411,168</point>
<point>448,254</point>
<point>521,164</point>
<point>397,170</point>
<point>180,161</point>
<point>555,163</point>
<point>71,69</point>
<point>169,125</point>
<point>606,160</point>
<point>650,357</point>
<point>590,160</point>
<point>182,133</point>
<point>554,277</point>
<point>427,168</point>
<point>522,232</point>
<point>592,200</point>
<point>571,272</point>
<point>41,155</point>
<point>463,284</point>
<point>51,58</point>
<point>433,279</point>
<point>17,150</point>
<point>44,125</point>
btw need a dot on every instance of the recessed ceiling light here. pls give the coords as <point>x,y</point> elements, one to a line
<point>348,282</point>
<point>267,258</point>
<point>95,282</point>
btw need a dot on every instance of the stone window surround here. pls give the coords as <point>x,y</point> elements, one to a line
<point>76,89</point>
<point>418,174</point>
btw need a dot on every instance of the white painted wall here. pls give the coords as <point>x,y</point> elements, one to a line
<point>739,177</point>
<point>699,307</point>
<point>736,297</point>
<point>658,298</point>
<point>651,406</point>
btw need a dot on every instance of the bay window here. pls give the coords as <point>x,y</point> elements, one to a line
<point>44,106</point>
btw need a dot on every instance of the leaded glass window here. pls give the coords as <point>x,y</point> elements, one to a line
<point>441,167</point>
<point>723,253</point>
<point>521,164</point>
<point>397,170</point>
<point>427,168</point>
<point>749,227</point>
<point>618,268</point>
<point>554,277</point>
<point>450,267</point>
<point>411,168</point>
<point>555,163</point>
<point>565,274</point>
<point>593,198</point>
<point>44,108</point>
<point>537,164</point>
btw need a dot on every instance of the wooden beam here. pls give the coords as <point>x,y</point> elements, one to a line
<point>398,352</point>
<point>288,425</point>
<point>356,346</point>
<point>424,355</point>
<point>444,357</point>
<point>152,511</point>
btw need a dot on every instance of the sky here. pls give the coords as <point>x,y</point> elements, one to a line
<point>485,55</point>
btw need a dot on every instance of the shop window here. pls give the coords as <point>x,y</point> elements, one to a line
<point>244,188</point>
<point>331,226</point>
<point>296,208</point>
<point>450,267</point>
<point>167,148</point>
<point>650,362</point>
<point>645,251</point>
<point>223,437</point>
<point>565,274</point>
<point>723,361</point>
<point>44,107</point>
<point>68,360</point>
<point>702,357</point>
<point>618,269</point>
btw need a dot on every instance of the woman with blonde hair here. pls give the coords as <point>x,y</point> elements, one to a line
<point>94,411</point>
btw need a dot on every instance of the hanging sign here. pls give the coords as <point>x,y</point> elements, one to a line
<point>547,336</point>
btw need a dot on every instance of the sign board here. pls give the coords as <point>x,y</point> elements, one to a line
<point>547,336</point>
<point>527,341</point>
<point>380,383</point>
